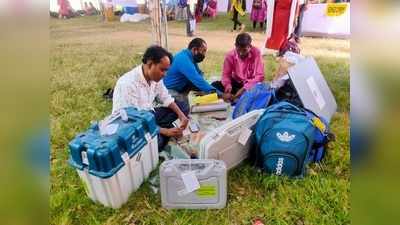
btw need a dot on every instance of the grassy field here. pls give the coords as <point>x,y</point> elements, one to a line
<point>87,57</point>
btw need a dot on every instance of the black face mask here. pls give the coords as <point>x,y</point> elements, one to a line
<point>198,57</point>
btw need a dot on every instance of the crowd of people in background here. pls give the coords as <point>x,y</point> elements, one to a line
<point>193,11</point>
<point>66,11</point>
<point>90,10</point>
<point>179,10</point>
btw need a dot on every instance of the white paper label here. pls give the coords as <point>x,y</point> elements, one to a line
<point>148,137</point>
<point>85,158</point>
<point>124,115</point>
<point>176,123</point>
<point>190,181</point>
<point>109,129</point>
<point>316,92</point>
<point>125,157</point>
<point>182,192</point>
<point>244,136</point>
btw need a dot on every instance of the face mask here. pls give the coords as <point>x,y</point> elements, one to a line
<point>198,57</point>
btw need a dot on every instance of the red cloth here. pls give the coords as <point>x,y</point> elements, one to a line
<point>280,24</point>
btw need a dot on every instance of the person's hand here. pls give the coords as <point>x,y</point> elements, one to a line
<point>236,96</point>
<point>199,93</point>
<point>184,122</point>
<point>228,90</point>
<point>227,97</point>
<point>174,132</point>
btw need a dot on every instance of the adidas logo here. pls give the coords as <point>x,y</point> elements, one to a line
<point>285,137</point>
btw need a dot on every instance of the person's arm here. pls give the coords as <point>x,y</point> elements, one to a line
<point>124,95</point>
<point>171,132</point>
<point>226,79</point>
<point>258,72</point>
<point>182,117</point>
<point>169,102</point>
<point>163,94</point>
<point>188,69</point>
<point>238,93</point>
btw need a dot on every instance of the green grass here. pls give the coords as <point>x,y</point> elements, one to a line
<point>81,70</point>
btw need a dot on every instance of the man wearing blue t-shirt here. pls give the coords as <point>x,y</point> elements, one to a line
<point>185,75</point>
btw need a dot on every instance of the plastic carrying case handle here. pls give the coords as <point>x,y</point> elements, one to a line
<point>285,106</point>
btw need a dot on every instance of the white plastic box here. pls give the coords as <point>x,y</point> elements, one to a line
<point>230,142</point>
<point>212,179</point>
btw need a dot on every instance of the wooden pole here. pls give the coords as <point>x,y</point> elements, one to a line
<point>164,25</point>
<point>158,23</point>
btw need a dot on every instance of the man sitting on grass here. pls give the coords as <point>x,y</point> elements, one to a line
<point>142,85</point>
<point>185,74</point>
<point>243,68</point>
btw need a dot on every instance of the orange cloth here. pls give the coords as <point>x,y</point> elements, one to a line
<point>109,14</point>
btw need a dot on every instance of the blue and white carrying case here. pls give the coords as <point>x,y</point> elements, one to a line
<point>114,157</point>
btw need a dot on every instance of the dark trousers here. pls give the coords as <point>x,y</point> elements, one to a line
<point>235,86</point>
<point>297,29</point>
<point>255,24</point>
<point>165,117</point>
<point>189,28</point>
<point>235,19</point>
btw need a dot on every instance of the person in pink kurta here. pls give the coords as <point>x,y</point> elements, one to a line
<point>258,13</point>
<point>211,9</point>
<point>65,9</point>
<point>243,68</point>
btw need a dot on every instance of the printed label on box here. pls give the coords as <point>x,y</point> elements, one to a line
<point>190,181</point>
<point>316,92</point>
<point>125,157</point>
<point>207,191</point>
<point>244,136</point>
<point>85,158</point>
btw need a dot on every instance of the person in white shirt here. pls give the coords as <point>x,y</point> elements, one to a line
<point>142,86</point>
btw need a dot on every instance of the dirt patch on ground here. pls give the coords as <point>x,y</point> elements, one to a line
<point>177,39</point>
<point>217,41</point>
